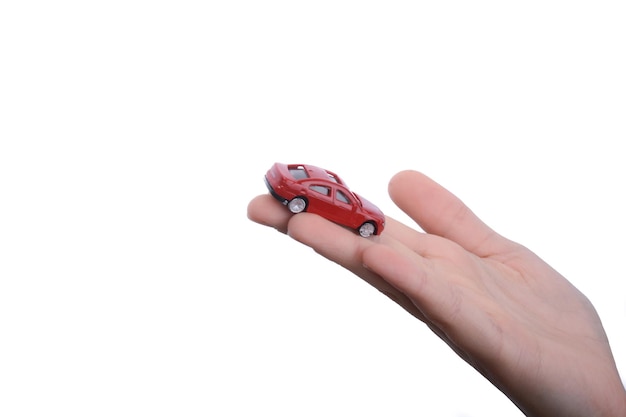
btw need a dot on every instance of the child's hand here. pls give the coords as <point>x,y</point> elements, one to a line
<point>497,305</point>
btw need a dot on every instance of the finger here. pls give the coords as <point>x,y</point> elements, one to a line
<point>441,213</point>
<point>266,210</point>
<point>345,248</point>
<point>453,307</point>
<point>328,239</point>
<point>402,268</point>
<point>420,279</point>
<point>426,245</point>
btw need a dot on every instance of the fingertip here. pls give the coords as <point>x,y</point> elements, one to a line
<point>403,179</point>
<point>439,212</point>
<point>252,209</point>
<point>266,210</point>
<point>405,172</point>
<point>398,177</point>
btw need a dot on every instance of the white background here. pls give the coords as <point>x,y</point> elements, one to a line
<point>134,133</point>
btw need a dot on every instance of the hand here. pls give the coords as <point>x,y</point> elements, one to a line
<point>495,303</point>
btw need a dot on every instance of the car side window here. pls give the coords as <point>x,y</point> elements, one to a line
<point>320,189</point>
<point>342,197</point>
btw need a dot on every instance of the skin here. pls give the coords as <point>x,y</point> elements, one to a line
<point>501,308</point>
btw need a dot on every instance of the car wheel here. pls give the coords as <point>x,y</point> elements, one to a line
<point>367,229</point>
<point>297,205</point>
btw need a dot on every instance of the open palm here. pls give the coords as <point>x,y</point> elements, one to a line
<point>495,303</point>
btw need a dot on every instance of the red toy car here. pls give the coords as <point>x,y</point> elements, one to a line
<point>315,190</point>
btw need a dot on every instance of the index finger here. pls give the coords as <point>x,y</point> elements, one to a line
<point>266,210</point>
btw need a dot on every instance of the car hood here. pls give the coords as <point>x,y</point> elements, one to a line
<point>369,206</point>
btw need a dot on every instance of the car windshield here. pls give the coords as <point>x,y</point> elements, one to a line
<point>332,177</point>
<point>298,172</point>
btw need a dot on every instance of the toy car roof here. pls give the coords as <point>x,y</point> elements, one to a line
<point>304,171</point>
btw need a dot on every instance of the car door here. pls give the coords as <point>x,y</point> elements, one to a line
<point>321,200</point>
<point>345,208</point>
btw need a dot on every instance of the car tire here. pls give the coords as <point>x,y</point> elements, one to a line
<point>297,205</point>
<point>367,229</point>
